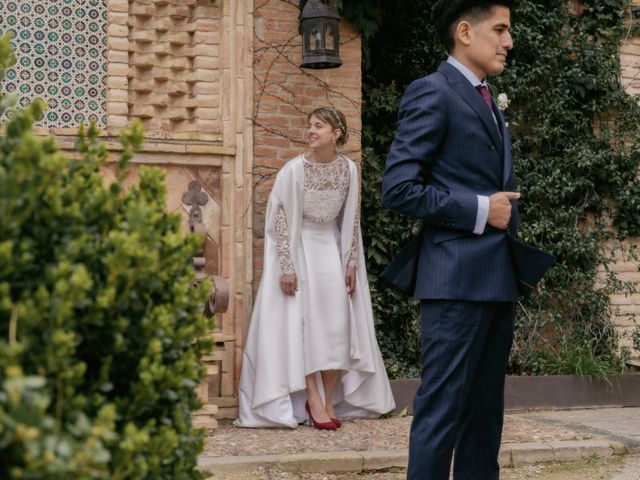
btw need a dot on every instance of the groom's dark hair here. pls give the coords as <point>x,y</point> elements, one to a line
<point>446,14</point>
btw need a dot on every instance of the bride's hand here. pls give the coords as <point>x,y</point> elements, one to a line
<point>289,284</point>
<point>350,279</point>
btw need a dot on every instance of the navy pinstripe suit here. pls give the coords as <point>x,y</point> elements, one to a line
<point>448,148</point>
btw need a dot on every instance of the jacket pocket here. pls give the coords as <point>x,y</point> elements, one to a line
<point>441,236</point>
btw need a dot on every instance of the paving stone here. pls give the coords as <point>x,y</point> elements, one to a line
<point>570,451</point>
<point>228,465</point>
<point>504,456</point>
<point>327,462</point>
<point>530,452</point>
<point>385,459</point>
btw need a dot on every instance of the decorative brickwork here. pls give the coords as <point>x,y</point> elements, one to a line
<point>61,53</point>
<point>186,68</point>
<point>165,67</point>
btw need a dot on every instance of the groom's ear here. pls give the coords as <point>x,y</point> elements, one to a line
<point>462,33</point>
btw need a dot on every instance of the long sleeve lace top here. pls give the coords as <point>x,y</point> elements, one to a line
<point>326,186</point>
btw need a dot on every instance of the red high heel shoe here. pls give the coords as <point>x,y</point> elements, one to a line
<point>320,425</point>
<point>336,421</point>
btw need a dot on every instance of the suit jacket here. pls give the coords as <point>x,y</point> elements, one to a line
<point>447,150</point>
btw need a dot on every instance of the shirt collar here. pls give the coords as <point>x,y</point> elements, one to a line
<point>468,74</point>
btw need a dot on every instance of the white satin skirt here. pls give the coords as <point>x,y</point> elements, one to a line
<point>314,330</point>
<point>325,322</point>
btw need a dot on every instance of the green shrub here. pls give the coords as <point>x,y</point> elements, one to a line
<point>98,313</point>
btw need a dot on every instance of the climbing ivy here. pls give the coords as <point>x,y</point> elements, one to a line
<point>575,136</point>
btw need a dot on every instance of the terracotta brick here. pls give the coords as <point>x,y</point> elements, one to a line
<point>142,36</point>
<point>118,18</point>
<point>116,121</point>
<point>207,113</point>
<point>206,87</point>
<point>142,111</point>
<point>179,127</point>
<point>179,38</point>
<point>116,81</point>
<point>116,56</point>
<point>117,108</point>
<point>210,126</point>
<point>118,43</point>
<point>119,5</point>
<point>211,101</point>
<point>115,30</point>
<point>118,69</point>
<point>117,95</point>
<point>206,62</point>
<point>137,8</point>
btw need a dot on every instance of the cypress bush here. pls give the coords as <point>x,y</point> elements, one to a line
<point>99,316</point>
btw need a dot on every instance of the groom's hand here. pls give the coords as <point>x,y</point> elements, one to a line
<point>500,209</point>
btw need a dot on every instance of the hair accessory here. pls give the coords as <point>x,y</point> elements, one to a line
<point>334,112</point>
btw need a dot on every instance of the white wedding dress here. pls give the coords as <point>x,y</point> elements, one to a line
<point>312,230</point>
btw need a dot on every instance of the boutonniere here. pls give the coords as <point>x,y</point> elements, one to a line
<point>503,101</point>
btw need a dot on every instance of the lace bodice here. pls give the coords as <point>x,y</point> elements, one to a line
<point>326,186</point>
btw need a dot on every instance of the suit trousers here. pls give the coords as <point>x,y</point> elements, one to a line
<point>459,405</point>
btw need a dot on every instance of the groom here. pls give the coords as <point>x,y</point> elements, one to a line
<point>450,164</point>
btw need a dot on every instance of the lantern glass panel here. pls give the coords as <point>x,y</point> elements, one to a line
<point>316,38</point>
<point>330,36</point>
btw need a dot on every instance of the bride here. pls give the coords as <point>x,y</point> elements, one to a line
<point>311,350</point>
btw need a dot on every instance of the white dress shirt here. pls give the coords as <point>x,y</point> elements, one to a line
<point>483,200</point>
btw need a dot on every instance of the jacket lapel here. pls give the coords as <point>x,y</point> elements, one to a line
<point>507,169</point>
<point>470,95</point>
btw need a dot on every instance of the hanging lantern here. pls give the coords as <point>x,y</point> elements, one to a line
<point>319,26</point>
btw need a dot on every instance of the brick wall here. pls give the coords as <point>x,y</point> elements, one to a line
<point>627,307</point>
